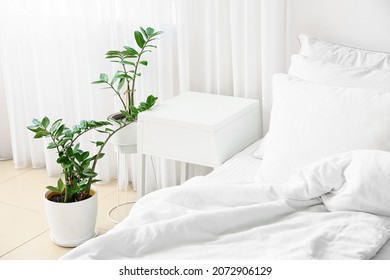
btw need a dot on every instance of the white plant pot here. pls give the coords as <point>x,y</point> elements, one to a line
<point>72,223</point>
<point>126,138</point>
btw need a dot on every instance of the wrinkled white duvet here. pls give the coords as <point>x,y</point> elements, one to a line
<point>336,208</point>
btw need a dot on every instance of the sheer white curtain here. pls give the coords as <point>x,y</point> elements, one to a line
<point>232,47</point>
<point>5,139</point>
<point>50,51</point>
<point>220,46</point>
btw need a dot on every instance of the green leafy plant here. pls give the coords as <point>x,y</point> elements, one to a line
<point>78,166</point>
<point>123,81</point>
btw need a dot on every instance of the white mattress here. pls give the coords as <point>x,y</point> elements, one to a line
<point>243,167</point>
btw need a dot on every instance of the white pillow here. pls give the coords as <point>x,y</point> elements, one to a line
<point>310,121</point>
<point>338,75</point>
<point>326,51</point>
<point>333,74</point>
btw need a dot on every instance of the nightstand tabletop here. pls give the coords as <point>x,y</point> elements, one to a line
<point>200,110</point>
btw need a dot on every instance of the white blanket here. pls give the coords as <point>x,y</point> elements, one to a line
<point>334,209</point>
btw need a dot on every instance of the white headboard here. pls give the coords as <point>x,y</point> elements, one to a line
<point>359,23</point>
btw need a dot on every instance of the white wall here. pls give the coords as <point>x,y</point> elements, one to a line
<point>361,23</point>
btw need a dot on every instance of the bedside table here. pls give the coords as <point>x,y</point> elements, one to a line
<point>199,128</point>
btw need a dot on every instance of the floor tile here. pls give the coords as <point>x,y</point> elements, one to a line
<point>106,189</point>
<point>40,248</point>
<point>24,232</point>
<point>8,171</point>
<point>109,202</point>
<point>26,190</point>
<point>19,226</point>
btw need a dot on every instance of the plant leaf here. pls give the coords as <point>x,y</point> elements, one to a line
<point>156,33</point>
<point>120,84</point>
<point>45,122</point>
<point>98,82</point>
<point>41,133</point>
<point>99,143</point>
<point>139,39</point>
<point>60,185</point>
<point>150,31</point>
<point>103,77</point>
<point>33,128</point>
<point>98,156</point>
<point>130,51</point>
<point>95,181</point>
<point>55,125</point>
<point>89,173</point>
<point>113,52</point>
<point>53,189</point>
<point>52,145</point>
<point>126,62</point>
<point>84,156</point>
<point>144,32</point>
<point>151,100</point>
<point>144,62</point>
<point>113,56</point>
<point>121,75</point>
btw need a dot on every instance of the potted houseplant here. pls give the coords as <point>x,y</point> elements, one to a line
<point>71,206</point>
<point>129,61</point>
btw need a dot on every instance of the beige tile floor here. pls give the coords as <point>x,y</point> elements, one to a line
<point>24,233</point>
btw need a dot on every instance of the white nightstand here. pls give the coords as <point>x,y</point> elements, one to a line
<point>199,128</point>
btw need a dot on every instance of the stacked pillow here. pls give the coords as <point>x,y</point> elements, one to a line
<point>334,99</point>
<point>330,73</point>
<point>344,55</point>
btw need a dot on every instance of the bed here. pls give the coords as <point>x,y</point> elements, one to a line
<point>224,215</point>
<point>315,187</point>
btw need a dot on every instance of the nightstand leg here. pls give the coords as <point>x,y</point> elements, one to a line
<point>140,175</point>
<point>183,172</point>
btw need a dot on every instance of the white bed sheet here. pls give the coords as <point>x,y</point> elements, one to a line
<point>243,166</point>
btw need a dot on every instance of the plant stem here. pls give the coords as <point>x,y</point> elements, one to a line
<point>129,99</point>
<point>66,175</point>
<point>81,133</point>
<point>131,94</point>
<point>88,188</point>
<point>119,95</point>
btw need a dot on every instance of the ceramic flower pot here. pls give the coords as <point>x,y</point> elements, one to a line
<point>126,138</point>
<point>71,223</point>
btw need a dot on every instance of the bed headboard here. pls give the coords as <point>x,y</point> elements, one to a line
<point>360,23</point>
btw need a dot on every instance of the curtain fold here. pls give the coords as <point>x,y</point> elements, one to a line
<point>51,51</point>
<point>5,139</point>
